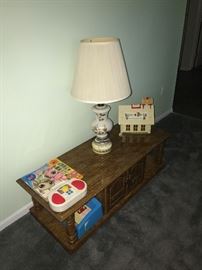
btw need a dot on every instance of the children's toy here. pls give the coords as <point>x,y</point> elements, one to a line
<point>87,216</point>
<point>136,118</point>
<point>80,214</point>
<point>44,179</point>
<point>64,195</point>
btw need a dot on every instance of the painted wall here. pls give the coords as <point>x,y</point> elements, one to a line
<point>39,42</point>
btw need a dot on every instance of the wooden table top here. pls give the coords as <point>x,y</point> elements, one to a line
<point>101,170</point>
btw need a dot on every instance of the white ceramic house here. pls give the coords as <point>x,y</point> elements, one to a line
<point>137,118</point>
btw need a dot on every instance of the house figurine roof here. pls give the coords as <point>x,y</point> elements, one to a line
<point>138,114</point>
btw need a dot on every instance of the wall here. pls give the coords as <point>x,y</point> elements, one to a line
<point>39,42</point>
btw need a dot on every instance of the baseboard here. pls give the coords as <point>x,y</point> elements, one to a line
<point>163,115</point>
<point>15,216</point>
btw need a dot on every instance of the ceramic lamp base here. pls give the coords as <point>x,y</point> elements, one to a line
<point>101,147</point>
<point>101,126</point>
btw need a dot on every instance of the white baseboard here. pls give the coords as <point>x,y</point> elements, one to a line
<point>163,115</point>
<point>15,216</point>
<point>25,209</point>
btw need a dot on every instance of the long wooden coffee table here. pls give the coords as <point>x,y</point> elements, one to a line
<point>112,178</point>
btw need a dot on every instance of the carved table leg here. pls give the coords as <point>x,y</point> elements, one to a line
<point>71,232</point>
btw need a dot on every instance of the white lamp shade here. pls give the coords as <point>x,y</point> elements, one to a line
<point>100,75</point>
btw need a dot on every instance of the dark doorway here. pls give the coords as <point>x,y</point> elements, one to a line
<point>188,92</point>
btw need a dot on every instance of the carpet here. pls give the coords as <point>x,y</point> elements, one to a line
<point>160,228</point>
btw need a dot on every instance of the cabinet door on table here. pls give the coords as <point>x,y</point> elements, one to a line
<point>135,175</point>
<point>116,191</point>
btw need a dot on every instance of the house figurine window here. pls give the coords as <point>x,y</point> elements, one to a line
<point>127,127</point>
<point>142,127</point>
<point>135,128</point>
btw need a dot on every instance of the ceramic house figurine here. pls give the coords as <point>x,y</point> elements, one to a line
<point>137,118</point>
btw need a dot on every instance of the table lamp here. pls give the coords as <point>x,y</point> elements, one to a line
<point>101,78</point>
